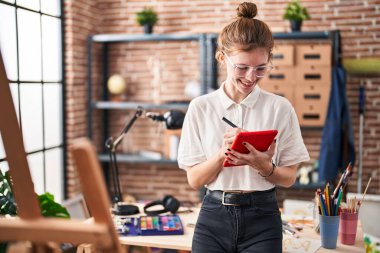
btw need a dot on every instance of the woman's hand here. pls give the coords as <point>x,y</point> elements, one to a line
<point>228,139</point>
<point>261,161</point>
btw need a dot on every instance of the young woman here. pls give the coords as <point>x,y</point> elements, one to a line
<point>239,212</point>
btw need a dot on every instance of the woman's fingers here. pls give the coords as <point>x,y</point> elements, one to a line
<point>250,148</point>
<point>236,157</point>
<point>272,148</point>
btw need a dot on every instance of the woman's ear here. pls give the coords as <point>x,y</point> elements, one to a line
<point>219,56</point>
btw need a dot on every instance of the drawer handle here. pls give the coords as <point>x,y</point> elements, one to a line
<point>310,116</point>
<point>312,76</point>
<point>312,96</point>
<point>276,76</point>
<point>278,56</point>
<point>312,56</point>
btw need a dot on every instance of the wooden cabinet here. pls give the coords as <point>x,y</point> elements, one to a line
<point>303,67</point>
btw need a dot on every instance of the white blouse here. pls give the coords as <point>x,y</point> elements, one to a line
<point>203,130</point>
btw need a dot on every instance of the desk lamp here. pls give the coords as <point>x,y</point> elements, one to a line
<point>172,119</point>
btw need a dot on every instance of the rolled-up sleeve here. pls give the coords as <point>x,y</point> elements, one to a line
<point>291,148</point>
<point>190,150</point>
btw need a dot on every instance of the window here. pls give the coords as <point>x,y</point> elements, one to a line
<point>31,46</point>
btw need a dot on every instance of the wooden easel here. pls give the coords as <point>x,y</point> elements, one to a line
<point>31,226</point>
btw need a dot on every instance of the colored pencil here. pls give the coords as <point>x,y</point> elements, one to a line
<point>327,199</point>
<point>338,200</point>
<point>323,205</point>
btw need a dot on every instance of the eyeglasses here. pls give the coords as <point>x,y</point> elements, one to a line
<point>242,70</point>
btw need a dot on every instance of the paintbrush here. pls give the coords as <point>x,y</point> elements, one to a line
<point>344,175</point>
<point>365,191</point>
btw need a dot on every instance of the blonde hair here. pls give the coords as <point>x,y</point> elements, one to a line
<point>245,32</point>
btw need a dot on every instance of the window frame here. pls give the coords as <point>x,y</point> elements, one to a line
<point>42,82</point>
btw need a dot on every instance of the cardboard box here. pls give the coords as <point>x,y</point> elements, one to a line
<point>313,75</point>
<point>283,55</point>
<point>311,104</point>
<point>313,54</point>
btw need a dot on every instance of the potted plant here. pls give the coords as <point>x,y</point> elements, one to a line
<point>296,13</point>
<point>147,18</point>
<point>8,206</point>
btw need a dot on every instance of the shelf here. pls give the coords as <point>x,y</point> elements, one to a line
<point>109,38</point>
<point>292,35</point>
<point>105,105</point>
<point>302,35</point>
<point>311,186</point>
<point>130,158</point>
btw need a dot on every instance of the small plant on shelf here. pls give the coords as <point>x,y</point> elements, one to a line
<point>296,13</point>
<point>147,18</point>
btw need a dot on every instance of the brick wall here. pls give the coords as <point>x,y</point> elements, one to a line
<point>81,19</point>
<point>177,63</point>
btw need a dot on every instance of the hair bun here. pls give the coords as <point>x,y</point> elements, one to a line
<point>246,10</point>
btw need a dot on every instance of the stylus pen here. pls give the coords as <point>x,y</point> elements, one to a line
<point>229,122</point>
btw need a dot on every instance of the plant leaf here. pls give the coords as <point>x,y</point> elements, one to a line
<point>7,202</point>
<point>49,208</point>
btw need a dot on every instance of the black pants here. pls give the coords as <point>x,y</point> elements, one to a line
<point>252,227</point>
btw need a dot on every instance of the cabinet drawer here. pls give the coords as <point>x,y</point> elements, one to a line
<point>313,55</point>
<point>311,104</point>
<point>283,55</point>
<point>284,91</point>
<point>315,75</point>
<point>280,75</point>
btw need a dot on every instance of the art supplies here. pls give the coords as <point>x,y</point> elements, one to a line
<point>365,191</point>
<point>328,217</point>
<point>288,228</point>
<point>340,194</point>
<point>348,227</point>
<point>343,179</point>
<point>329,203</point>
<point>329,210</point>
<point>149,225</point>
<point>291,244</point>
<point>329,227</point>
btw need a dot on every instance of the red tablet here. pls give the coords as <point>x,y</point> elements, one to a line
<point>261,140</point>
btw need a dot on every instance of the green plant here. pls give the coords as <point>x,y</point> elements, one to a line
<point>49,208</point>
<point>7,202</point>
<point>294,11</point>
<point>146,17</point>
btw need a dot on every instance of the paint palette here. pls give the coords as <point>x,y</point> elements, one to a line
<point>149,225</point>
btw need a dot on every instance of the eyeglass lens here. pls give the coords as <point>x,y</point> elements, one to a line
<point>259,71</point>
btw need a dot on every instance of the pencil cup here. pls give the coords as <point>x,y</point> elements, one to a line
<point>329,227</point>
<point>348,227</point>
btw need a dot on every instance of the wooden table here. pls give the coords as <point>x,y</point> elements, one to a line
<point>340,248</point>
<point>183,242</point>
<point>178,242</point>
